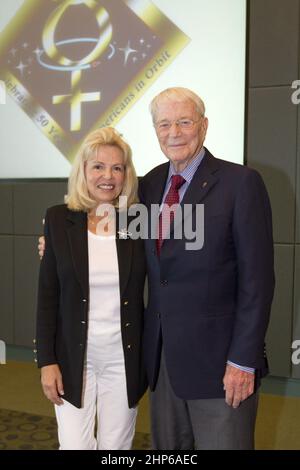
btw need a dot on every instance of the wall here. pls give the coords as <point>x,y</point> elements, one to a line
<point>273,149</point>
<point>22,208</point>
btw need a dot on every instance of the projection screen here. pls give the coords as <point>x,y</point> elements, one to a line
<point>70,66</point>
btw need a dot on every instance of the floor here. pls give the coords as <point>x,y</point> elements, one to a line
<point>278,421</point>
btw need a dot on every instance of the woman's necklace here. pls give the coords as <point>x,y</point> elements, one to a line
<point>105,225</point>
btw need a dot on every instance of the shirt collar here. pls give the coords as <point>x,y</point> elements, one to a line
<point>190,170</point>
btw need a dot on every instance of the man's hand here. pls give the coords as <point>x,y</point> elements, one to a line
<point>41,246</point>
<point>52,383</point>
<point>238,384</point>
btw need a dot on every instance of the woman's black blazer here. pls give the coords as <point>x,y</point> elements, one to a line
<point>63,302</point>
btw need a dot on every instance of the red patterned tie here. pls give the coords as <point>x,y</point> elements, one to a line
<point>171,198</point>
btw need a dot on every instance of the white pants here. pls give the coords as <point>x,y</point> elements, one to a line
<point>104,396</point>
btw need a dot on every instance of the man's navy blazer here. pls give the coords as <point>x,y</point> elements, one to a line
<point>210,305</point>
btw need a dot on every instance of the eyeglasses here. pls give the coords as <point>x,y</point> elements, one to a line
<point>163,127</point>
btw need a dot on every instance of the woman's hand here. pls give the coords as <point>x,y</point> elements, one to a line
<point>52,383</point>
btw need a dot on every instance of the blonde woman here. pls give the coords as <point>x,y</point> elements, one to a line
<point>90,302</point>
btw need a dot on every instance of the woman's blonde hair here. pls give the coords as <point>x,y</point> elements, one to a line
<point>78,198</point>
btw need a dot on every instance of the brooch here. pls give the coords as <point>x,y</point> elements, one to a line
<point>124,234</point>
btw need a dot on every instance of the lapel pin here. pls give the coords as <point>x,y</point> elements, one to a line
<point>204,184</point>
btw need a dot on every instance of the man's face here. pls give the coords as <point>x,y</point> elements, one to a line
<point>180,145</point>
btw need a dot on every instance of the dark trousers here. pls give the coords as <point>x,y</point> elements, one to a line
<point>178,424</point>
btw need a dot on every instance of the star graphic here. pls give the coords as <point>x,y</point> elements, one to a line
<point>38,51</point>
<point>13,51</point>
<point>127,51</point>
<point>25,45</point>
<point>21,67</point>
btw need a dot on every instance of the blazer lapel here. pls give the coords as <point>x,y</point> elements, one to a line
<point>203,181</point>
<point>124,253</point>
<point>159,183</point>
<point>77,235</point>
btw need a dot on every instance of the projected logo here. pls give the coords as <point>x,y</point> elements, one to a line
<point>2,93</point>
<point>74,65</point>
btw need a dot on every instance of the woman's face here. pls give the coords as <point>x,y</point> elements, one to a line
<point>105,174</point>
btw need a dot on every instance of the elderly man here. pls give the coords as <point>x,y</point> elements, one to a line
<point>209,308</point>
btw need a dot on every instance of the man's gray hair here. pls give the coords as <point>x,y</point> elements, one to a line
<point>178,94</point>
